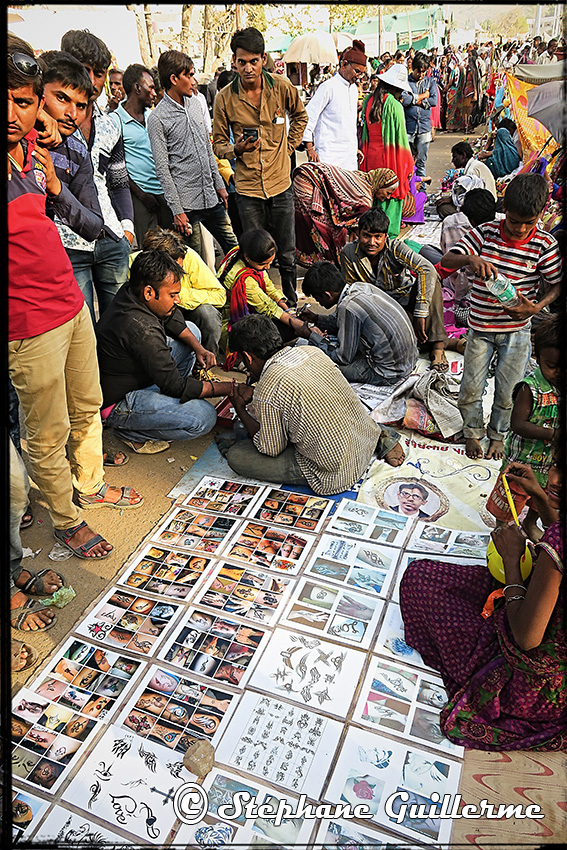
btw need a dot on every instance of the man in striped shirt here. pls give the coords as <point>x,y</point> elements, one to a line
<point>529,257</point>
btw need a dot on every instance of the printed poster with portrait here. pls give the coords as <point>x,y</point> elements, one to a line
<point>166,571</point>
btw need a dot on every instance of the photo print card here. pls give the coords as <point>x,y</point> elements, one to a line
<point>361,565</point>
<point>262,545</point>
<point>309,671</point>
<point>294,510</point>
<point>408,557</point>
<point>404,702</point>
<point>327,610</point>
<point>215,647</point>
<point>375,524</point>
<point>279,742</point>
<point>221,496</point>
<point>169,709</point>
<point>345,833</point>
<point>188,528</point>
<point>433,539</point>
<point>69,829</point>
<point>373,770</point>
<point>129,621</point>
<point>391,639</point>
<point>27,811</point>
<point>166,572</point>
<point>245,592</point>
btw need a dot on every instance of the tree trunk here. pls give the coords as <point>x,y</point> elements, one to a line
<point>208,53</point>
<point>186,12</point>
<point>150,32</point>
<point>142,35</point>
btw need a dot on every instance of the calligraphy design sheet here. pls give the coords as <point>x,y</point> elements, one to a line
<point>132,622</point>
<point>404,702</point>
<point>171,709</point>
<point>167,572</point>
<point>294,510</point>
<point>27,811</point>
<point>309,671</point>
<point>215,647</point>
<point>345,833</point>
<point>371,769</point>
<point>245,593</point>
<point>188,528</point>
<point>325,609</point>
<point>364,566</point>
<point>444,541</point>
<point>279,742</point>
<point>359,520</point>
<point>68,829</point>
<point>391,639</point>
<point>221,496</point>
<point>263,546</point>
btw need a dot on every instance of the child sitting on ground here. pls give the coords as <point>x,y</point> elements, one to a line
<point>533,427</point>
<point>516,248</point>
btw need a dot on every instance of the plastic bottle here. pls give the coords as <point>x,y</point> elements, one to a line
<point>503,290</point>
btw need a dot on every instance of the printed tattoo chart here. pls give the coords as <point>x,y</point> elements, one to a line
<point>68,829</point>
<point>376,524</point>
<point>132,622</point>
<point>215,647</point>
<point>170,709</point>
<point>444,541</point>
<point>361,565</point>
<point>327,610</point>
<point>26,812</point>
<point>309,671</point>
<point>167,572</point>
<point>345,833</point>
<point>391,639</point>
<point>279,742</point>
<point>273,548</point>
<point>245,593</point>
<point>188,528</point>
<point>294,510</point>
<point>370,769</point>
<point>222,496</point>
<point>404,702</point>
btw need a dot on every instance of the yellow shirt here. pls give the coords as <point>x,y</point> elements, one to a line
<point>198,283</point>
<point>262,302</point>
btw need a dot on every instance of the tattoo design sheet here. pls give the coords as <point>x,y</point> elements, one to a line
<point>167,572</point>
<point>215,647</point>
<point>391,639</point>
<point>433,539</point>
<point>222,496</point>
<point>68,829</point>
<point>26,813</point>
<point>273,548</point>
<point>132,622</point>
<point>170,709</point>
<point>404,702</point>
<point>188,528</point>
<point>371,769</point>
<point>345,833</point>
<point>327,610</point>
<point>312,672</point>
<point>294,510</point>
<point>359,520</point>
<point>245,593</point>
<point>362,565</point>
<point>274,740</point>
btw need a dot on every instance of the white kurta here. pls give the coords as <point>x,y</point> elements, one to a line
<point>331,127</point>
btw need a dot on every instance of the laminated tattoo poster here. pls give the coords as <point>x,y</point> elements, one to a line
<point>27,811</point>
<point>391,639</point>
<point>171,709</point>
<point>222,496</point>
<point>68,829</point>
<point>279,742</point>
<point>215,647</point>
<point>376,524</point>
<point>246,593</point>
<point>433,539</point>
<point>371,769</point>
<point>167,572</point>
<point>273,548</point>
<point>188,528</point>
<point>345,833</point>
<point>294,510</point>
<point>129,621</point>
<point>309,671</point>
<point>361,565</point>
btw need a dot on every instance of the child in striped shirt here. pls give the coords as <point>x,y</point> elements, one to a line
<point>519,250</point>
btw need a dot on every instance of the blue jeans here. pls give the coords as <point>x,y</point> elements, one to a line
<point>218,224</point>
<point>148,414</point>
<point>513,351</point>
<point>421,141</point>
<point>105,270</point>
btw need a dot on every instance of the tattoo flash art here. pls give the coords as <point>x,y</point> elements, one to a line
<point>294,510</point>
<point>26,812</point>
<point>166,572</point>
<point>281,743</point>
<point>309,671</point>
<point>273,548</point>
<point>381,526</point>
<point>331,611</point>
<point>188,528</point>
<point>363,566</point>
<point>67,829</point>
<point>245,593</point>
<point>345,833</point>
<point>391,640</point>
<point>444,541</point>
<point>136,623</point>
<point>214,647</point>
<point>221,496</point>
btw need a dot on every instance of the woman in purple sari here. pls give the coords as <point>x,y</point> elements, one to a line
<point>505,675</point>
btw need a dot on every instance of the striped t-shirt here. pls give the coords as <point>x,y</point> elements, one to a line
<point>527,264</point>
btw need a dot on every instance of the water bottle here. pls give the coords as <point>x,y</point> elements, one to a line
<point>503,290</point>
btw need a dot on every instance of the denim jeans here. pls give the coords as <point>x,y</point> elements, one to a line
<point>149,414</point>
<point>103,270</point>
<point>208,320</point>
<point>218,224</point>
<point>421,141</point>
<point>277,216</point>
<point>513,351</point>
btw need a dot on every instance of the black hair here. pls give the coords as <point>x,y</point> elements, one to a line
<point>507,124</point>
<point>377,103</point>
<point>225,78</point>
<point>257,245</point>
<point>16,79</point>
<point>526,195</point>
<point>61,67</point>
<point>463,148</point>
<point>157,82</point>
<point>419,62</point>
<point>172,62</point>
<point>115,71</point>
<point>479,206</point>
<point>414,485</point>
<point>257,335</point>
<point>160,239</point>
<point>374,221</point>
<point>322,277</point>
<point>132,75</point>
<point>250,39</point>
<point>548,335</point>
<point>87,48</point>
<point>399,54</point>
<point>150,268</point>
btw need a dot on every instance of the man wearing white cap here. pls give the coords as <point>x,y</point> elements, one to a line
<point>331,135</point>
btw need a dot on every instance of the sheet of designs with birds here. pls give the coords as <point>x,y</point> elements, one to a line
<point>354,563</point>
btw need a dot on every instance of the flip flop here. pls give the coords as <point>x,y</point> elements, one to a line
<point>111,460</point>
<point>16,651</point>
<point>97,500</point>
<point>35,586</point>
<point>19,615</point>
<point>63,535</point>
<point>27,519</point>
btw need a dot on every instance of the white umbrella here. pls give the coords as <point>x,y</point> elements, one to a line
<point>313,48</point>
<point>342,40</point>
<point>546,104</point>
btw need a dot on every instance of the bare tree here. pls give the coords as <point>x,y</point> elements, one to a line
<point>150,32</point>
<point>145,52</point>
<point>186,12</point>
<point>218,29</point>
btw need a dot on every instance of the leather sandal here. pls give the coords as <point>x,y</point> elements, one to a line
<point>31,659</point>
<point>35,586</point>
<point>63,535</point>
<point>97,500</point>
<point>18,616</point>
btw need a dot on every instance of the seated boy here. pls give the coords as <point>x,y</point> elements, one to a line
<point>376,342</point>
<point>516,248</point>
<point>390,265</point>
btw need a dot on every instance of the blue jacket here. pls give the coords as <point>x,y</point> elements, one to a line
<point>418,117</point>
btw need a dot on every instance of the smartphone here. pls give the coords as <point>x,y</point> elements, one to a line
<point>250,133</point>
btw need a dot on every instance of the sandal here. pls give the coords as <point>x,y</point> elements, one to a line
<point>30,660</point>
<point>27,518</point>
<point>440,365</point>
<point>97,500</point>
<point>63,535</point>
<point>18,616</point>
<point>35,586</point>
<point>118,459</point>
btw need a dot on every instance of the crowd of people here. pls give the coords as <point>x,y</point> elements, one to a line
<point>118,312</point>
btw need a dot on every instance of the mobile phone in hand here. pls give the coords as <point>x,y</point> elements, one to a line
<point>250,133</point>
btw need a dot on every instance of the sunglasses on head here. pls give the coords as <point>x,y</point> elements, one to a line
<point>25,64</point>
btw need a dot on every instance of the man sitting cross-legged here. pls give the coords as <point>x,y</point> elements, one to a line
<point>146,353</point>
<point>310,426</point>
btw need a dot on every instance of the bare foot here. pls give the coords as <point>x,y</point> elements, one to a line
<point>439,362</point>
<point>35,621</point>
<point>495,450</point>
<point>82,536</point>
<point>530,526</point>
<point>51,581</point>
<point>396,456</point>
<point>473,449</point>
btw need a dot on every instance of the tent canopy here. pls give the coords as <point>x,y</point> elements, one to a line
<point>279,44</point>
<point>420,21</point>
<point>418,43</point>
<point>535,75</point>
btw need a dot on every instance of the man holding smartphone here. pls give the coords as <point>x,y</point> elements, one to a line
<point>258,101</point>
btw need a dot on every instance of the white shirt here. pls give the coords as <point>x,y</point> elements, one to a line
<point>476,168</point>
<point>332,121</point>
<point>206,114</point>
<point>546,59</point>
